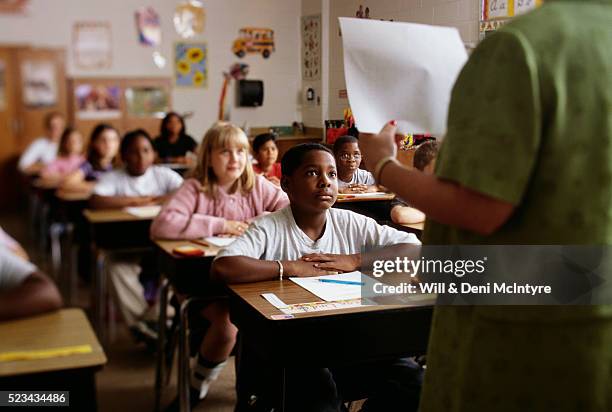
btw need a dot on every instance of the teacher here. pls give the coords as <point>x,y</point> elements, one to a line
<point>527,159</point>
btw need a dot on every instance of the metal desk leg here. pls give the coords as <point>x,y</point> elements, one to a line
<point>55,234</point>
<point>160,369</point>
<point>100,295</point>
<point>183,361</point>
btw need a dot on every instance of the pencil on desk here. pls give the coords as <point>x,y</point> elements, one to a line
<point>200,242</point>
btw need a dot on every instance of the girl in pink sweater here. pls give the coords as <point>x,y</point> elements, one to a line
<point>69,156</point>
<point>223,195</point>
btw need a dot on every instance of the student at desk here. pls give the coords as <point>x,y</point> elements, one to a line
<point>24,290</point>
<point>140,183</point>
<point>43,150</point>
<point>425,161</point>
<point>221,199</point>
<point>352,179</point>
<point>101,154</point>
<point>311,238</point>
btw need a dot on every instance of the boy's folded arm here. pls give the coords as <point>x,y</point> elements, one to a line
<point>36,294</point>
<point>243,269</point>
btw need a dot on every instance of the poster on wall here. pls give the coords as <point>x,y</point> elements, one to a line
<point>148,26</point>
<point>311,47</point>
<point>2,86</point>
<point>92,45</point>
<point>146,101</point>
<point>254,40</point>
<point>190,65</point>
<point>13,6</point>
<point>39,83</point>
<point>495,13</point>
<point>189,18</point>
<point>96,102</point>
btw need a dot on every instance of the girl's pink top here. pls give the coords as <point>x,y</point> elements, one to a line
<point>64,165</point>
<point>191,214</point>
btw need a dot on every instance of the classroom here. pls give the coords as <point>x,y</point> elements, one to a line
<point>306,205</point>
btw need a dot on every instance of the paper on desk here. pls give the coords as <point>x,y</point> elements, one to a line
<point>333,291</point>
<point>219,241</point>
<point>144,211</point>
<point>400,71</point>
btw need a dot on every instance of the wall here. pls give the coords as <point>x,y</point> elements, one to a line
<point>49,24</point>
<point>462,14</point>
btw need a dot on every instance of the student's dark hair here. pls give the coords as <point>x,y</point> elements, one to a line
<point>130,138</point>
<point>342,140</point>
<point>163,128</point>
<point>424,154</point>
<point>93,156</point>
<point>293,158</point>
<point>62,150</point>
<point>49,118</point>
<point>262,139</point>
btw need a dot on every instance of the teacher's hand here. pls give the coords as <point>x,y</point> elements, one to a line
<point>378,146</point>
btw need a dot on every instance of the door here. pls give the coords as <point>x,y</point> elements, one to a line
<point>9,151</point>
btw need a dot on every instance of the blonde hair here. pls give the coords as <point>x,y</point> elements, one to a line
<point>221,135</point>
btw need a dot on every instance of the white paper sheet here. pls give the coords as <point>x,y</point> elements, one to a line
<point>331,292</point>
<point>400,71</point>
<point>144,211</point>
<point>219,241</point>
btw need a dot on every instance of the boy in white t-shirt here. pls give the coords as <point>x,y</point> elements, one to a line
<point>140,183</point>
<point>43,150</point>
<point>311,238</point>
<point>352,179</point>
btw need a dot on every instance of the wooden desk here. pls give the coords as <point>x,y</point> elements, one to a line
<point>189,276</point>
<point>111,231</point>
<point>329,338</point>
<point>378,208</point>
<point>415,226</point>
<point>347,198</point>
<point>75,373</point>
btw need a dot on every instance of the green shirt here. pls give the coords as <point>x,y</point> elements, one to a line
<point>530,123</point>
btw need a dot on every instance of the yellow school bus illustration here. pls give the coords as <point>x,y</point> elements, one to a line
<point>254,40</point>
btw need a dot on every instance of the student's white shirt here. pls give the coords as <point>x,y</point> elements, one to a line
<point>277,237</point>
<point>40,150</point>
<point>362,177</point>
<point>156,181</point>
<point>13,269</point>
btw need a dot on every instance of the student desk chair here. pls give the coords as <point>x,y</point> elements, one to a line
<point>188,276</point>
<point>112,231</point>
<point>74,371</point>
<point>378,208</point>
<point>325,338</point>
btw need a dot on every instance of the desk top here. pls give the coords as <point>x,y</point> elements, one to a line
<point>291,293</point>
<point>169,245</point>
<point>417,226</point>
<point>346,198</point>
<point>111,216</point>
<point>64,328</point>
<point>72,196</point>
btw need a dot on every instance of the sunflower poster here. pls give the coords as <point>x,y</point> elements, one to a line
<point>190,65</point>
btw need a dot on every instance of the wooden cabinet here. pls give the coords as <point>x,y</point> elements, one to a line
<point>32,85</point>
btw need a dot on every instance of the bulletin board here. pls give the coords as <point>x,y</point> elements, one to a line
<point>496,13</point>
<point>124,103</point>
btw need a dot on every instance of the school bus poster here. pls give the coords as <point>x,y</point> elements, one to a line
<point>252,40</point>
